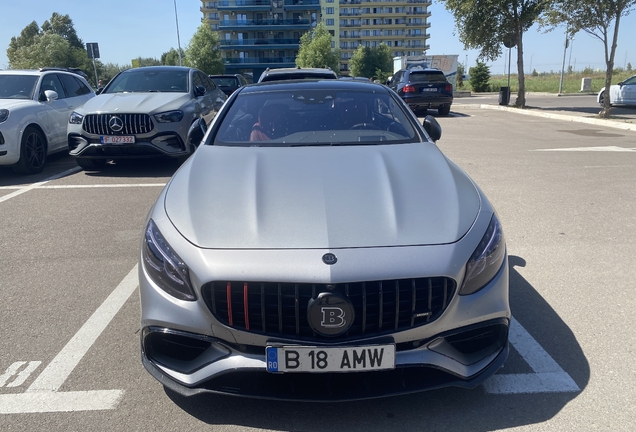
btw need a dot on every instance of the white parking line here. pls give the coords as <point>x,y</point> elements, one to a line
<point>548,376</point>
<point>42,394</point>
<point>24,189</point>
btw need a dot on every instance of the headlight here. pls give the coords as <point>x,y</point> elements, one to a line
<point>76,118</point>
<point>486,261</point>
<point>169,117</point>
<point>4,115</point>
<point>164,266</point>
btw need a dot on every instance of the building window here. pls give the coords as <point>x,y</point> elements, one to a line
<point>329,11</point>
<point>329,21</point>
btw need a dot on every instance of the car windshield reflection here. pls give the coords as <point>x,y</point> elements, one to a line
<point>314,117</point>
<point>149,81</point>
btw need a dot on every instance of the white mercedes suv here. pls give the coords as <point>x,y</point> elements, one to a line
<point>35,106</point>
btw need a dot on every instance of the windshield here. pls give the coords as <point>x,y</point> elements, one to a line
<point>140,80</point>
<point>230,82</point>
<point>17,86</point>
<point>427,77</point>
<point>315,117</point>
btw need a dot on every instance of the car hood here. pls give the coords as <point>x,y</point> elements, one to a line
<point>144,103</point>
<point>321,197</point>
<point>15,103</point>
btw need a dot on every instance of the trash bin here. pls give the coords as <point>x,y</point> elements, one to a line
<point>504,95</point>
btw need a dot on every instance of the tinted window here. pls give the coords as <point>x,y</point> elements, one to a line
<point>205,81</point>
<point>149,80</point>
<point>52,82</point>
<point>226,82</point>
<point>73,86</point>
<point>427,77</point>
<point>315,116</point>
<point>17,86</point>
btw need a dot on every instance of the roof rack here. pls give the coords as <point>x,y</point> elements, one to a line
<point>76,71</point>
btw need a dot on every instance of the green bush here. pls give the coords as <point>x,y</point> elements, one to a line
<point>479,77</point>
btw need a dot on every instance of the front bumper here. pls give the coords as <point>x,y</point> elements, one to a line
<point>465,346</point>
<point>149,145</point>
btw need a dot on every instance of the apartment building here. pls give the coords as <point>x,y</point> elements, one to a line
<point>256,34</point>
<point>400,24</point>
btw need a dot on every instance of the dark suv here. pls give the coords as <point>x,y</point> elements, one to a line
<point>229,83</point>
<point>422,89</point>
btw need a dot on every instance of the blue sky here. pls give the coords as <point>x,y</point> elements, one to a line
<point>128,29</point>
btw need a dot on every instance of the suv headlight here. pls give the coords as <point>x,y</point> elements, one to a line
<point>76,118</point>
<point>164,266</point>
<point>4,115</point>
<point>169,117</point>
<point>487,259</point>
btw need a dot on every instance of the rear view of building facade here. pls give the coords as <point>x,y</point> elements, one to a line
<point>257,34</point>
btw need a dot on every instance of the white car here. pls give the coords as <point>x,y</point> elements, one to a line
<point>623,93</point>
<point>35,106</point>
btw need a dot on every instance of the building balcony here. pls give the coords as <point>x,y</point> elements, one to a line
<point>265,24</point>
<point>259,62</point>
<point>350,2</point>
<point>245,5</point>
<point>260,44</point>
<point>301,4</point>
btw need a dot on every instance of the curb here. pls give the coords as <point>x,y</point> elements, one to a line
<point>551,115</point>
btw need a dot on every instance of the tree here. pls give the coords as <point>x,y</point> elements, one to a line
<point>63,25</point>
<point>203,51</point>
<point>460,75</point>
<point>55,44</point>
<point>171,58</point>
<point>479,77</point>
<point>315,50</point>
<point>148,61</point>
<point>595,17</point>
<point>372,62</point>
<point>485,24</point>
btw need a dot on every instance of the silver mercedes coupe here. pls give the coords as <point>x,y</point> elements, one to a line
<point>319,246</point>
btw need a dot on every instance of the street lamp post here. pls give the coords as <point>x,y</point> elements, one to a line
<point>176,18</point>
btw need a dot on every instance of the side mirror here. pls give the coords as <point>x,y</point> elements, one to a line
<point>388,81</point>
<point>620,84</point>
<point>432,127</point>
<point>51,95</point>
<point>99,90</point>
<point>199,91</point>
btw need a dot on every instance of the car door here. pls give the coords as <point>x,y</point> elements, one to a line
<point>55,113</point>
<point>629,91</point>
<point>212,100</point>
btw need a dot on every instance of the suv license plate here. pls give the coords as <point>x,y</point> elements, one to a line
<point>330,359</point>
<point>107,139</point>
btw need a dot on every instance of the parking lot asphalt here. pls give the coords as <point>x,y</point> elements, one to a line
<point>564,191</point>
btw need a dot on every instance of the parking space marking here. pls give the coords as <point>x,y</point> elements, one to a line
<point>24,189</point>
<point>591,149</point>
<point>43,396</point>
<point>21,376</point>
<point>548,376</point>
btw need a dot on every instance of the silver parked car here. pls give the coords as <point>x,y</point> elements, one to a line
<point>320,246</point>
<point>623,93</point>
<point>144,112</point>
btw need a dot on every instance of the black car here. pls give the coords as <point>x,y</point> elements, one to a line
<point>229,83</point>
<point>422,89</point>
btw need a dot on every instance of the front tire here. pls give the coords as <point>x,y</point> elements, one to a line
<point>33,152</point>
<point>91,164</point>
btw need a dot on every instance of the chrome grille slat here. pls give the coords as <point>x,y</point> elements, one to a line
<point>134,124</point>
<point>280,309</point>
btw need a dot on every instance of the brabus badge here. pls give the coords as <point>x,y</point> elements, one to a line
<point>329,259</point>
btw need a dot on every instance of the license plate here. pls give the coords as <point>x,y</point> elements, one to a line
<point>428,89</point>
<point>330,359</point>
<point>107,139</point>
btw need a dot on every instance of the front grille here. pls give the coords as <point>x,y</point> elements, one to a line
<point>280,309</point>
<point>133,124</point>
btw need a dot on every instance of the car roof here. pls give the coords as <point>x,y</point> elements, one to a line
<point>324,84</point>
<point>160,68</point>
